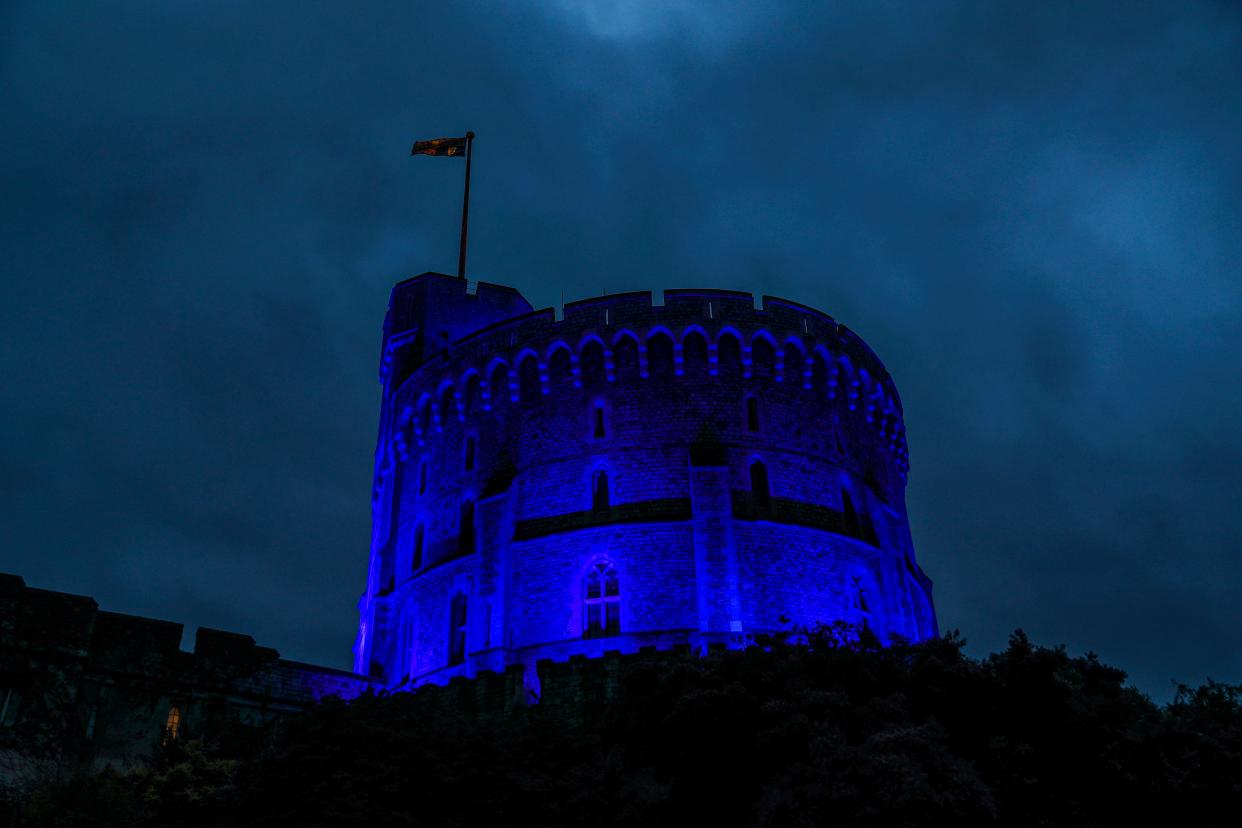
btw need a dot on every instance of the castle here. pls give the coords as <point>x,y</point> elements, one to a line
<point>632,474</point>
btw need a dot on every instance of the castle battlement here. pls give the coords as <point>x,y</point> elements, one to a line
<point>730,460</point>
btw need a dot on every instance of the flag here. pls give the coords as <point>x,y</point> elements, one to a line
<point>452,147</point>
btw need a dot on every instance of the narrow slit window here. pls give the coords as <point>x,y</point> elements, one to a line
<point>849,514</point>
<point>752,414</point>
<point>599,491</point>
<point>172,725</point>
<point>469,454</point>
<point>422,477</point>
<point>416,560</point>
<point>465,539</point>
<point>760,493</point>
<point>598,429</point>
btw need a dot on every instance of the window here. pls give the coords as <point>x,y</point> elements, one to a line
<point>172,725</point>
<point>416,560</point>
<point>465,537</point>
<point>760,495</point>
<point>694,354</point>
<point>860,595</point>
<point>10,701</point>
<point>752,413</point>
<point>599,491</point>
<point>593,364</point>
<point>457,629</point>
<point>601,599</point>
<point>469,395</point>
<point>763,359</point>
<point>422,477</point>
<point>660,355</point>
<point>469,454</point>
<point>849,515</point>
<point>598,427</point>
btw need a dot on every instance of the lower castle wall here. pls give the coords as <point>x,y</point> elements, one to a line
<point>87,688</point>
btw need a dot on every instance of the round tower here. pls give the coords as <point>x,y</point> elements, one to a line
<point>633,474</point>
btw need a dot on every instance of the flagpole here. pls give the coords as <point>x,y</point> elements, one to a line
<point>465,210</point>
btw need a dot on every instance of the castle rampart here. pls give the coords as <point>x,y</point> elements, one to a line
<point>691,471</point>
<point>83,687</point>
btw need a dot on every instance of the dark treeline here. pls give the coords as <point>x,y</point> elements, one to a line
<point>833,731</point>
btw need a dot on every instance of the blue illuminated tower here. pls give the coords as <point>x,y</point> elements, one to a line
<point>692,472</point>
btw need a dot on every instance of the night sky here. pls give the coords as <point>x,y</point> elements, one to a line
<point>1031,211</point>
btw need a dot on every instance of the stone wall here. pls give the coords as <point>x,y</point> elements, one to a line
<point>83,687</point>
<point>489,449</point>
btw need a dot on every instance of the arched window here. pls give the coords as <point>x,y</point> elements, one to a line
<point>762,359</point>
<point>601,601</point>
<point>760,495</point>
<point>416,560</point>
<point>457,629</point>
<point>694,354</point>
<point>625,357</point>
<point>819,372</point>
<point>729,357</point>
<point>424,418</point>
<point>660,355</point>
<point>448,405</point>
<point>172,724</point>
<point>794,364</point>
<point>752,414</point>
<point>560,368</point>
<point>498,383</point>
<point>465,535</point>
<point>469,454</point>
<point>529,386</point>
<point>599,491</point>
<point>591,364</point>
<point>470,395</point>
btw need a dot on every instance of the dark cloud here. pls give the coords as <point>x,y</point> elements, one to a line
<point>1030,211</point>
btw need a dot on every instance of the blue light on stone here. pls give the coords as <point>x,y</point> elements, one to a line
<point>521,558</point>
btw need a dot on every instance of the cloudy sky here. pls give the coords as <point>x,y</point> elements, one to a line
<point>1032,211</point>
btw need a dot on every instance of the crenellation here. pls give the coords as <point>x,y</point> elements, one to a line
<point>96,688</point>
<point>625,393</point>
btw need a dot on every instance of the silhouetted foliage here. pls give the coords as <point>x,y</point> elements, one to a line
<point>830,728</point>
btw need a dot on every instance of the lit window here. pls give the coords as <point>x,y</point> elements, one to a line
<point>601,598</point>
<point>457,629</point>
<point>172,725</point>
<point>469,454</point>
<point>752,414</point>
<point>417,560</point>
<point>599,491</point>
<point>760,495</point>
